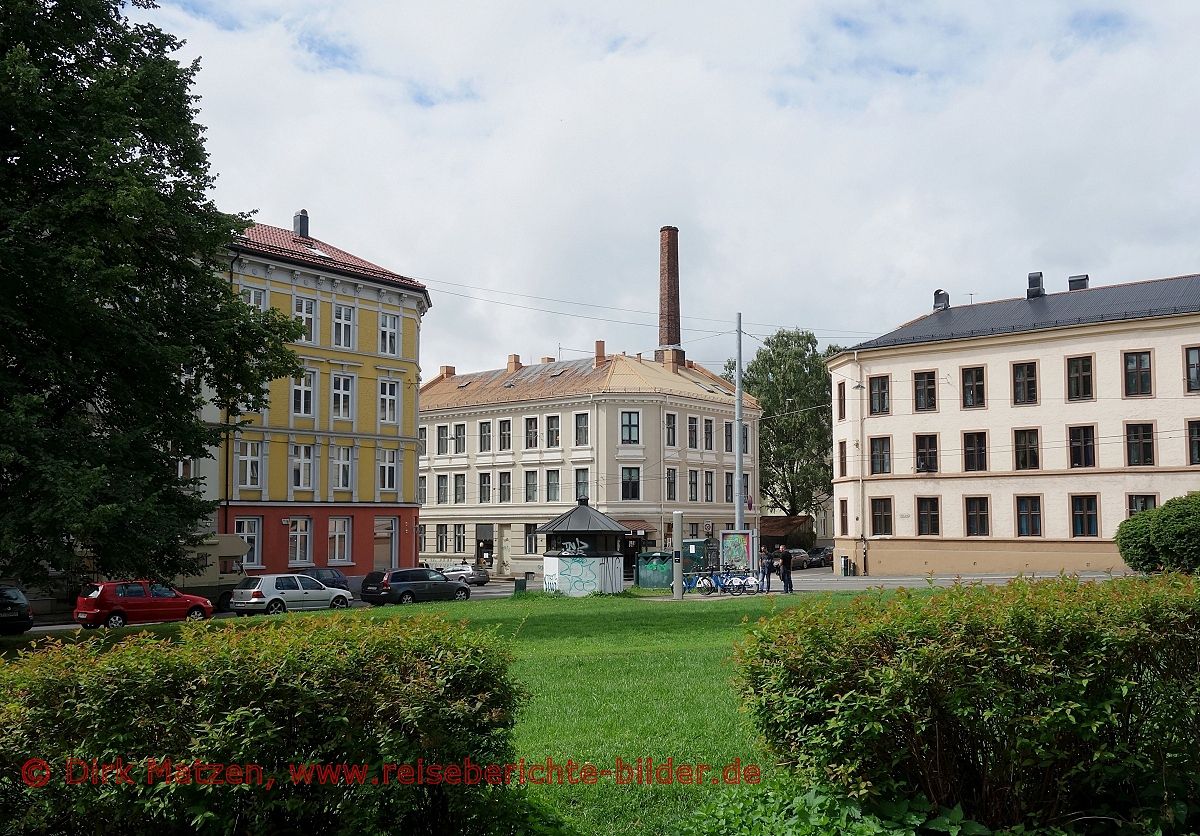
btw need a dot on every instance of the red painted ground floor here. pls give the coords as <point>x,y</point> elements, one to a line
<point>356,539</point>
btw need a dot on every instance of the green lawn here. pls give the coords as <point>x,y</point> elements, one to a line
<point>614,677</point>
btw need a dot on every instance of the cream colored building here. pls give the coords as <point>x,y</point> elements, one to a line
<point>1016,435</point>
<point>507,450</point>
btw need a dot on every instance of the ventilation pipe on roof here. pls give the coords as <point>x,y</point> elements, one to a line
<point>1079,282</point>
<point>300,223</point>
<point>1035,286</point>
<point>941,300</point>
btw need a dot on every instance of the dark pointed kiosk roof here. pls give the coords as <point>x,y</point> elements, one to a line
<point>582,519</point>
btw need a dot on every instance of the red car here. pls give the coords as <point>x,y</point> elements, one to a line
<point>117,603</point>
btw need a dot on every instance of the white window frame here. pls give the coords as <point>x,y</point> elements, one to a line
<point>389,461</point>
<point>557,485</point>
<point>389,401</point>
<point>302,466</point>
<point>553,434</point>
<point>342,404</point>
<point>250,530</point>
<point>482,435</point>
<point>249,464</point>
<point>459,439</point>
<point>587,429</point>
<point>304,311</point>
<point>255,297</point>
<point>343,325</point>
<point>303,394</point>
<point>534,474</point>
<point>460,538</point>
<point>485,490</point>
<point>342,467</point>
<point>635,427</point>
<point>389,334</point>
<point>340,529</point>
<point>670,430</point>
<point>300,541</point>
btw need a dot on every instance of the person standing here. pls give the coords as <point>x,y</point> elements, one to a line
<point>764,569</point>
<point>785,569</point>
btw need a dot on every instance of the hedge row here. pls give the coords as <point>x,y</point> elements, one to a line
<point>1040,703</point>
<point>330,690</point>
<point>1166,537</point>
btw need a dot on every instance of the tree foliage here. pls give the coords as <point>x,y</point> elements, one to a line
<point>111,255</point>
<point>1167,537</point>
<point>789,379</point>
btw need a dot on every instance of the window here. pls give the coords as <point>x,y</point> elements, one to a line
<point>693,486</point>
<point>422,540</point>
<point>443,440</point>
<point>552,489</point>
<point>422,440</point>
<point>531,486</point>
<point>881,517</point>
<point>460,488</point>
<point>708,486</point>
<point>485,436</point>
<point>305,312</point>
<point>302,393</point>
<point>460,438</point>
<point>422,490</point>
<point>389,401</point>
<point>582,482</point>
<point>1139,445</point>
<point>708,433</point>
<point>342,464</point>
<point>531,538</point>
<point>460,538</point>
<point>974,451</point>
<point>693,433</point>
<point>299,540</point>
<point>729,488</point>
<point>927,453</point>
<point>1029,516</point>
<point>1079,379</point>
<point>531,433</point>
<point>977,516</point>
<point>1191,361</point>
<point>254,297</point>
<point>505,486</point>
<point>745,487</point>
<point>924,391</point>
<point>339,540</point>
<point>1138,502</point>
<point>672,420</point>
<point>249,529</point>
<point>1193,442</point>
<point>693,530</point>
<point>631,483</point>
<point>881,455</point>
<point>745,439</point>
<point>581,429</point>
<point>841,458</point>
<point>1025,450</point>
<point>972,388</point>
<point>880,399</point>
<point>728,436</point>
<point>630,429</point>
<point>389,334</point>
<point>841,400</point>
<point>505,434</point>
<point>1083,446</point>
<point>249,462</point>
<point>343,326</point>
<point>1024,383</point>
<point>844,517</point>
<point>1085,516</point>
<point>440,545</point>
<point>302,461</point>
<point>553,431</point>
<point>343,385</point>
<point>485,487</point>
<point>1137,374</point>
<point>443,489</point>
<point>671,477</point>
<point>928,516</point>
<point>387,469</point>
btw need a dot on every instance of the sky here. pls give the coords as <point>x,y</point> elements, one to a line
<point>828,164</point>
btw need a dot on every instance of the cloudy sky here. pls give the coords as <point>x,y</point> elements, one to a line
<point>828,164</point>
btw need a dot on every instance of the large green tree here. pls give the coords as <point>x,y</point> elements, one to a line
<point>117,320</point>
<point>789,379</point>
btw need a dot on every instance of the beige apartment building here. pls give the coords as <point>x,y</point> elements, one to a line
<point>507,450</point>
<point>1016,435</point>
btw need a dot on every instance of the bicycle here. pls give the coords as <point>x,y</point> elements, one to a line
<point>741,584</point>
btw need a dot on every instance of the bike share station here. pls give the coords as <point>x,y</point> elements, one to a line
<point>732,567</point>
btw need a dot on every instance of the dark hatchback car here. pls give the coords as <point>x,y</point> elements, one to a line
<point>406,586</point>
<point>16,616</point>
<point>327,576</point>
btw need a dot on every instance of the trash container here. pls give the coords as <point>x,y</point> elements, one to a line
<point>845,565</point>
<point>519,585</point>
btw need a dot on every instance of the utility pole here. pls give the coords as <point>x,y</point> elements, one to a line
<point>738,479</point>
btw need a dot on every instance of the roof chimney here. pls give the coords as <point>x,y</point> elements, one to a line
<point>599,353</point>
<point>1035,286</point>
<point>447,371</point>
<point>300,223</point>
<point>941,300</point>
<point>668,291</point>
<point>672,359</point>
<point>1079,282</point>
<point>514,362</point>
<point>547,359</point>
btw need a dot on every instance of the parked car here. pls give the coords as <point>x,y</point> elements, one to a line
<point>822,557</point>
<point>405,586</point>
<point>16,616</point>
<point>467,574</point>
<point>117,603</point>
<point>328,576</point>
<point>276,594</point>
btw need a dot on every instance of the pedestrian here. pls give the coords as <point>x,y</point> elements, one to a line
<point>785,569</point>
<point>764,570</point>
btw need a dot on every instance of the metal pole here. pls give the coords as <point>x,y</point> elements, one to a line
<point>677,563</point>
<point>738,478</point>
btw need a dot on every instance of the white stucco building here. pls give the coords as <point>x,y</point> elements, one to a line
<point>1016,435</point>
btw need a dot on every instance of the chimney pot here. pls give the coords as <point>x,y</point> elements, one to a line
<point>447,371</point>
<point>668,291</point>
<point>599,353</point>
<point>300,223</point>
<point>514,362</point>
<point>941,300</point>
<point>1035,286</point>
<point>1079,282</point>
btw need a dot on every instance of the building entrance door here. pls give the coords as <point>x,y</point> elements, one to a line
<point>385,544</point>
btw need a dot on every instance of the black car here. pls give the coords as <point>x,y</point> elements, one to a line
<point>405,586</point>
<point>16,616</point>
<point>327,576</point>
<point>822,557</point>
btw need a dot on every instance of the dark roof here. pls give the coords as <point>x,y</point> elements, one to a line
<point>1135,300</point>
<point>582,518</point>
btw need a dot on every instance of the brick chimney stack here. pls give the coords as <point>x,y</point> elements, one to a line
<point>668,292</point>
<point>600,356</point>
<point>514,362</point>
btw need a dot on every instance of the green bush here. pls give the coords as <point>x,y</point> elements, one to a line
<point>1167,537</point>
<point>1133,542</point>
<point>1039,703</point>
<point>330,690</point>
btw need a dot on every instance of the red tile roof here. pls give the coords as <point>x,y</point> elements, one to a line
<point>274,241</point>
